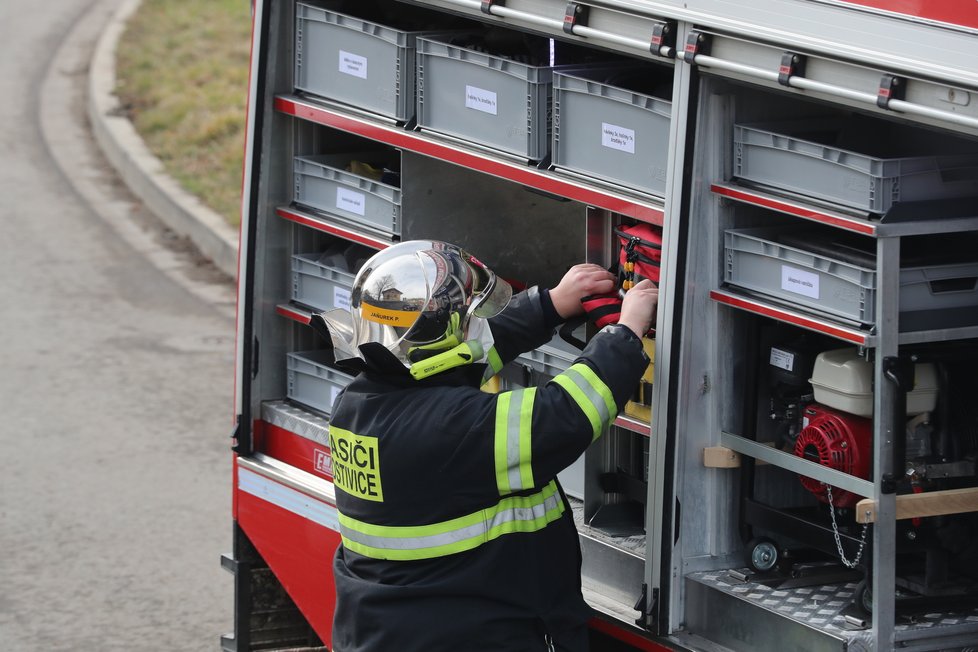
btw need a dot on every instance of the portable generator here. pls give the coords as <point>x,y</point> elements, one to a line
<point>827,419</point>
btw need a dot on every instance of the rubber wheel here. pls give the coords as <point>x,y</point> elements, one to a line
<point>762,554</point>
<point>863,597</point>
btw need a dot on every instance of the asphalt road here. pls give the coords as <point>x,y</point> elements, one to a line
<point>116,378</point>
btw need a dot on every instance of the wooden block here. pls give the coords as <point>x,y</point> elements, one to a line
<point>931,503</point>
<point>720,457</point>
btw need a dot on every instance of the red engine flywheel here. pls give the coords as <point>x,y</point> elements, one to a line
<point>839,441</point>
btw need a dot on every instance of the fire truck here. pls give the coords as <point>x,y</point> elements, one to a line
<point>797,469</point>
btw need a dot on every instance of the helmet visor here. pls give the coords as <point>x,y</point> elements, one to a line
<point>493,299</point>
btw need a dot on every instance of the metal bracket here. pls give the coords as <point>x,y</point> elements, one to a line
<point>899,372</point>
<point>696,43</point>
<point>663,34</point>
<point>235,443</point>
<point>488,4</point>
<point>646,604</point>
<point>229,563</point>
<point>892,87</point>
<point>575,14</point>
<point>792,64</point>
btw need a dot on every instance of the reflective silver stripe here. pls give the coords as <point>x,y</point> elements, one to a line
<point>514,457</point>
<point>473,530</point>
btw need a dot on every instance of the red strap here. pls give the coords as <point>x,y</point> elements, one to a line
<point>602,309</point>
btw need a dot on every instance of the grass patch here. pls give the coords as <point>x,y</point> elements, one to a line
<point>182,77</point>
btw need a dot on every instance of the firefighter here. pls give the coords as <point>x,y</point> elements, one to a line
<point>455,533</point>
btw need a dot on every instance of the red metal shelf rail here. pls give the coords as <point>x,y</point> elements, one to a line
<point>323,224</point>
<point>295,313</point>
<point>797,318</point>
<point>794,208</point>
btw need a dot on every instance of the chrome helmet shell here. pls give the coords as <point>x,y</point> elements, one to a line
<point>420,297</point>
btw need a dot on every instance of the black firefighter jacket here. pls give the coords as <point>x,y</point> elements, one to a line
<point>455,534</point>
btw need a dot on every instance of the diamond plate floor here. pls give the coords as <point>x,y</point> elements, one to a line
<point>825,607</point>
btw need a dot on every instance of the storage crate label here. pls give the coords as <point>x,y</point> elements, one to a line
<point>480,99</point>
<point>617,137</point>
<point>350,201</point>
<point>341,298</point>
<point>799,281</point>
<point>353,64</point>
<point>782,359</point>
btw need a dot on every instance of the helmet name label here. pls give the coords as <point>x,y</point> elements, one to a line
<point>389,316</point>
<point>356,464</point>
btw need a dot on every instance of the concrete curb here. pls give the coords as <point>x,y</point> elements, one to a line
<point>141,171</point>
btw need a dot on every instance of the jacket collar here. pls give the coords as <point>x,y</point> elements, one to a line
<point>380,365</point>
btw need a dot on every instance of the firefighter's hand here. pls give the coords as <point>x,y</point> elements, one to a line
<point>580,281</point>
<point>638,307</point>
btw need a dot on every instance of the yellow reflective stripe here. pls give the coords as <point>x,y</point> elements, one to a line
<point>526,441</point>
<point>404,543</point>
<point>599,386</point>
<point>591,394</point>
<point>512,447</point>
<point>494,364</point>
<point>582,401</point>
<point>500,442</point>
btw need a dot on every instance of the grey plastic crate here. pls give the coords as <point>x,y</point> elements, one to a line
<point>755,260</point>
<point>485,99</point>
<point>358,62</point>
<point>551,358</point>
<point>927,291</point>
<point>321,182</point>
<point>313,383</point>
<point>320,286</point>
<point>802,157</point>
<point>609,132</point>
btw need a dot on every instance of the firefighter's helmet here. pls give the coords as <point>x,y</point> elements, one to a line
<point>423,297</point>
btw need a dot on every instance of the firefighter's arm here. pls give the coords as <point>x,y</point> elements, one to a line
<point>522,326</point>
<point>541,431</point>
<point>532,316</point>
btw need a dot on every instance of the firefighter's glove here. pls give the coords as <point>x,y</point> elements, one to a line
<point>602,309</point>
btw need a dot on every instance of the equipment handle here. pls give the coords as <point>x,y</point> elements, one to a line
<point>566,332</point>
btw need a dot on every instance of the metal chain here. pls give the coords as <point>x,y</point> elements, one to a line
<point>838,540</point>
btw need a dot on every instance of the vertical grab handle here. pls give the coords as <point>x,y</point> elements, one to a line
<point>900,374</point>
